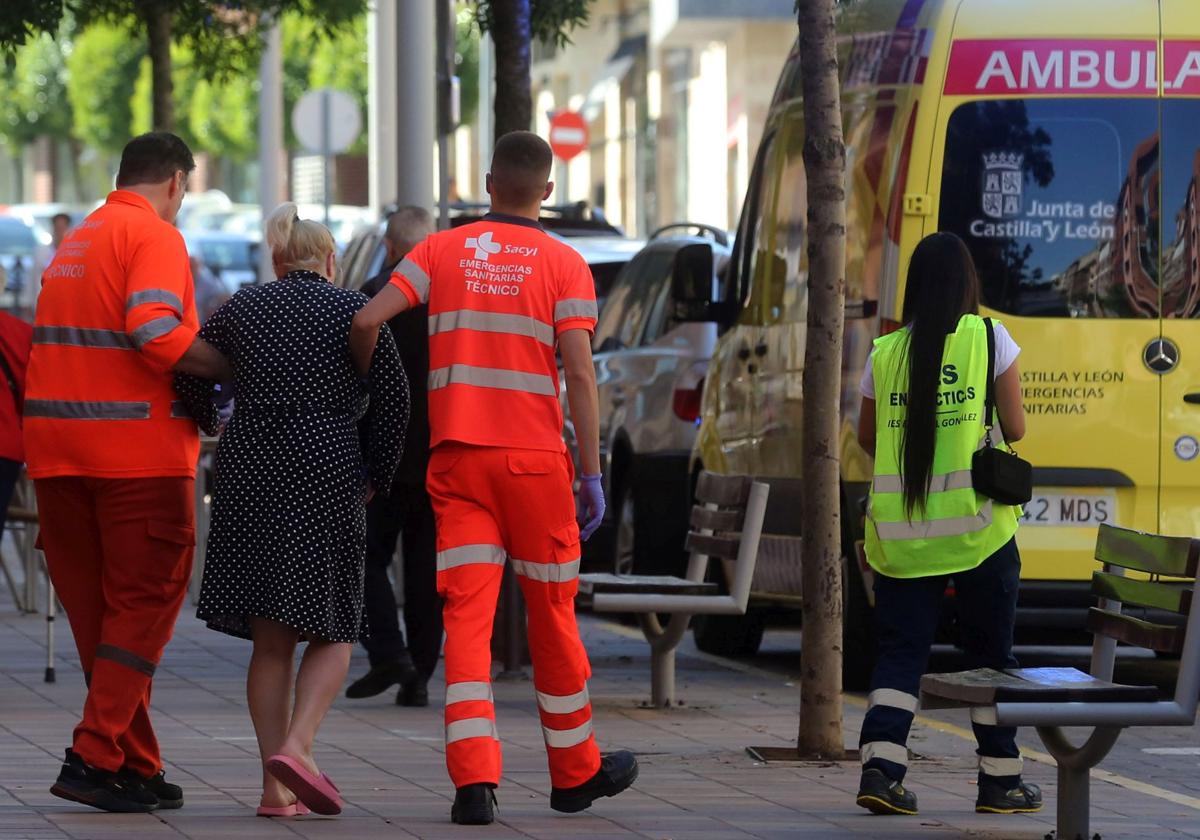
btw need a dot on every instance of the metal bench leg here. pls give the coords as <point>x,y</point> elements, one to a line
<point>663,642</point>
<point>1074,775</point>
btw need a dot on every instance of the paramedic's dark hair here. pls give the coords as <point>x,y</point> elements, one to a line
<point>521,167</point>
<point>153,158</point>
<point>942,287</point>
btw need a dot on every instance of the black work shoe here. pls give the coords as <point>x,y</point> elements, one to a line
<point>994,799</point>
<point>474,805</point>
<point>380,678</point>
<point>79,782</point>
<point>169,796</point>
<point>617,771</point>
<point>414,693</point>
<point>881,795</point>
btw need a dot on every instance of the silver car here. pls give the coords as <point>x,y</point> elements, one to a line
<point>650,372</point>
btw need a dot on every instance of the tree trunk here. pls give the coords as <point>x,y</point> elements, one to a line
<point>821,604</point>
<point>511,34</point>
<point>157,19</point>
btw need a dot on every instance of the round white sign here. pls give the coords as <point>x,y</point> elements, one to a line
<point>326,121</point>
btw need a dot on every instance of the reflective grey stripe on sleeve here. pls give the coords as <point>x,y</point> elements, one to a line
<point>127,658</point>
<point>563,704</point>
<point>892,698</point>
<point>564,738</point>
<point>82,337</point>
<point>465,555</point>
<point>494,322</point>
<point>82,410</point>
<point>463,691</point>
<point>481,377</point>
<point>574,308</point>
<point>416,276</point>
<point>155,296</point>
<point>953,527</point>
<point>153,329</point>
<point>547,572</point>
<point>959,480</point>
<point>460,730</point>
<point>991,766</point>
<point>885,750</point>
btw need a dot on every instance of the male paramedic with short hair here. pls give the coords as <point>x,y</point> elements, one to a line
<point>114,460</point>
<point>502,294</point>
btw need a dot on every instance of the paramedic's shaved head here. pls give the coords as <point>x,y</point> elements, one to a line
<point>520,176</point>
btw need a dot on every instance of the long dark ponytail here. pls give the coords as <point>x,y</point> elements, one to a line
<point>942,287</point>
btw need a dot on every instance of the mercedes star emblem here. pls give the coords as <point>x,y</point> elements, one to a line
<point>1161,355</point>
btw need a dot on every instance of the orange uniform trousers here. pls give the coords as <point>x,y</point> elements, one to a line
<point>495,505</point>
<point>119,553</point>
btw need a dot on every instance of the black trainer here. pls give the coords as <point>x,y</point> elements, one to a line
<point>79,782</point>
<point>617,772</point>
<point>474,805</point>
<point>881,795</point>
<point>1025,798</point>
<point>415,693</point>
<point>169,796</point>
<point>380,678</point>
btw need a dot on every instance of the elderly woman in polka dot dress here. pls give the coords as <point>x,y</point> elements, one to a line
<point>286,548</point>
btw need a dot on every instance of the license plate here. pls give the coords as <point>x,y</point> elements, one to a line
<point>1070,509</point>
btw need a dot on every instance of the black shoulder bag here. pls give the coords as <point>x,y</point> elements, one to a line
<point>997,473</point>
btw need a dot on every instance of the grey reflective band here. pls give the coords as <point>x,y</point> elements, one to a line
<point>493,322</point>
<point>416,276</point>
<point>952,527</point>
<point>124,657</point>
<point>547,572</point>
<point>481,377</point>
<point>574,308</point>
<point>886,750</point>
<point>84,410</point>
<point>563,704</point>
<point>82,337</point>
<point>153,329</point>
<point>179,410</point>
<point>958,480</point>
<point>155,296</point>
<point>461,730</point>
<point>892,698</point>
<point>463,691</point>
<point>984,715</point>
<point>564,738</point>
<point>465,555</point>
<point>991,766</point>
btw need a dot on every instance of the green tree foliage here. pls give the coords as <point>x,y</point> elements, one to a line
<point>32,91</point>
<point>466,61</point>
<point>103,69</point>
<point>550,21</point>
<point>314,56</point>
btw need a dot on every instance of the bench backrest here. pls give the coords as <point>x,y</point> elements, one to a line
<point>1159,556</point>
<point>726,524</point>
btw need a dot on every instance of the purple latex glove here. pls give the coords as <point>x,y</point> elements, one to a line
<point>591,499</point>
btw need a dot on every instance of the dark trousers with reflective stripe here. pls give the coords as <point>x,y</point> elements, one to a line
<point>120,556</point>
<point>406,516</point>
<point>906,618</point>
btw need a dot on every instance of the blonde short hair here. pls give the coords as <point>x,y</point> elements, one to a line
<point>296,243</point>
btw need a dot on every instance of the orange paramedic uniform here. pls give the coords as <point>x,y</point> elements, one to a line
<point>114,459</point>
<point>500,292</point>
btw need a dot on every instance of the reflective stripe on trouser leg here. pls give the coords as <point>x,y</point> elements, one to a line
<point>999,757</point>
<point>883,744</point>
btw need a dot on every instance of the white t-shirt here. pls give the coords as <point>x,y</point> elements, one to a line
<point>1006,353</point>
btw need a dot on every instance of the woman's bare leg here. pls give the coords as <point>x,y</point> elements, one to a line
<point>269,694</point>
<point>322,674</point>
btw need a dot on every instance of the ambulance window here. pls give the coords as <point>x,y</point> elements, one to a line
<point>1057,200</point>
<point>1181,208</point>
<point>628,306</point>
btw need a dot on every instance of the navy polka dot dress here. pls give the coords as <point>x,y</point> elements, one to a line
<point>288,533</point>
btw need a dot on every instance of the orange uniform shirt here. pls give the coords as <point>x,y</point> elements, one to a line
<point>500,292</point>
<point>115,314</point>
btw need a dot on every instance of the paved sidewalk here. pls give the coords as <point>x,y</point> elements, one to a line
<point>697,782</point>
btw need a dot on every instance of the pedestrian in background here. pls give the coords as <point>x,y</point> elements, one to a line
<point>407,514</point>
<point>922,418</point>
<point>16,338</point>
<point>284,561</point>
<point>114,462</point>
<point>502,294</point>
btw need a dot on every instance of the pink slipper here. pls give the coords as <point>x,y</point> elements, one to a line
<point>316,792</point>
<point>295,809</point>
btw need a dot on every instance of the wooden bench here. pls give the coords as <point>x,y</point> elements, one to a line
<point>726,525</point>
<point>1053,698</point>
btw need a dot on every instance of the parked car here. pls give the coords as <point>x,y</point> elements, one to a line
<point>19,269</point>
<point>650,370</point>
<point>39,217</point>
<point>232,257</point>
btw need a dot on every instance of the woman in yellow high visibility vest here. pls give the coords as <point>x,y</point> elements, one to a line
<point>922,418</point>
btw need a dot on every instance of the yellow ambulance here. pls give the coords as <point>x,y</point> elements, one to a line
<point>1061,141</point>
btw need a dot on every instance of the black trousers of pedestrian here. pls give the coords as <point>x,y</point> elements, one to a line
<point>10,471</point>
<point>407,516</point>
<point>906,618</point>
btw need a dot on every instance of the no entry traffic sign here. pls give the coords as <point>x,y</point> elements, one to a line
<point>568,134</point>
